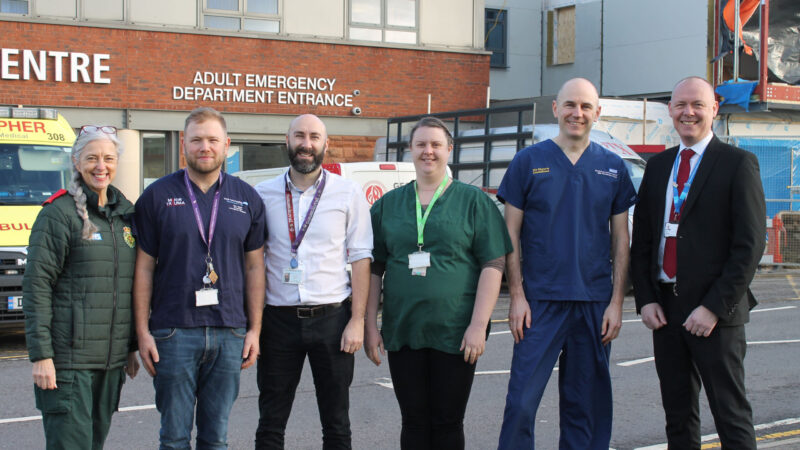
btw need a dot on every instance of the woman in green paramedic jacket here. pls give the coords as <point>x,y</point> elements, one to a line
<point>441,245</point>
<point>77,297</point>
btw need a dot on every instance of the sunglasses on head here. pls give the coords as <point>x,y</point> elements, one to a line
<point>107,129</point>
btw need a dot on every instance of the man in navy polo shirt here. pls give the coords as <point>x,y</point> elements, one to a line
<point>198,286</point>
<point>560,196</point>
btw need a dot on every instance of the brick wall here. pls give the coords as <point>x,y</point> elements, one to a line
<point>350,148</point>
<point>146,65</point>
<point>340,149</point>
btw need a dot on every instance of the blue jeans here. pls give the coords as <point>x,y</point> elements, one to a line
<point>197,366</point>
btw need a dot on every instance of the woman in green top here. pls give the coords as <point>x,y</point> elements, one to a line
<point>440,245</point>
<point>77,297</point>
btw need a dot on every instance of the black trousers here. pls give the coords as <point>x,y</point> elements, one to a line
<point>432,389</point>
<point>286,340</point>
<point>683,361</point>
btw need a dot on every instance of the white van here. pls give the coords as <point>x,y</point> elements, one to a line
<point>375,178</point>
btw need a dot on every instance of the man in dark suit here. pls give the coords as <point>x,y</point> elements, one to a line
<point>698,235</point>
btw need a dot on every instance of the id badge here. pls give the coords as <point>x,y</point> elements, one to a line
<point>293,275</point>
<point>419,260</point>
<point>206,297</point>
<point>670,230</point>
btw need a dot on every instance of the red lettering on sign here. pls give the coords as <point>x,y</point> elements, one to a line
<point>38,126</point>
<point>14,226</point>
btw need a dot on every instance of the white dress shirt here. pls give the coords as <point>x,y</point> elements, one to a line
<point>698,148</point>
<point>340,232</point>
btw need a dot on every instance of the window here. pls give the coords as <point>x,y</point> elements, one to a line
<point>561,36</point>
<point>154,156</point>
<point>383,21</point>
<point>14,6</point>
<point>495,41</point>
<point>262,156</point>
<point>242,15</point>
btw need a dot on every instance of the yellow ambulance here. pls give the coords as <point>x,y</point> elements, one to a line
<point>35,145</point>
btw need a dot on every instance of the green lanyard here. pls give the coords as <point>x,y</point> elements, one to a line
<point>422,219</point>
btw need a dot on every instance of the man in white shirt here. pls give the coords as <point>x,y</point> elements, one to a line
<point>317,223</point>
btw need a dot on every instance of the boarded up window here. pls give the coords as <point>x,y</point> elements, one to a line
<point>561,36</point>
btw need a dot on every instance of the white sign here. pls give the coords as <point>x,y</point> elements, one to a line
<point>78,66</point>
<point>262,88</point>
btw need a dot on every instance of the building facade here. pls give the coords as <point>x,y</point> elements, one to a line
<point>141,65</point>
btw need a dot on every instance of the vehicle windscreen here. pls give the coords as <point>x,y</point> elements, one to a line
<point>636,171</point>
<point>30,174</point>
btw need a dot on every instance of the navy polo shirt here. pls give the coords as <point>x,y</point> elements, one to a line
<point>166,229</point>
<point>565,237</point>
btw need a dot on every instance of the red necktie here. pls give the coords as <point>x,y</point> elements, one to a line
<point>670,262</point>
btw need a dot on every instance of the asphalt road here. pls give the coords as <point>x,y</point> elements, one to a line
<point>772,365</point>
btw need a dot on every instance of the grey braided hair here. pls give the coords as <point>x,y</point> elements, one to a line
<point>75,188</point>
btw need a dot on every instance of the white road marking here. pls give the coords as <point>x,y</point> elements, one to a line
<point>785,341</point>
<point>773,309</point>
<point>492,372</point>
<point>780,308</point>
<point>20,419</point>
<point>384,382</point>
<point>500,332</point>
<point>137,408</point>
<point>32,418</point>
<point>633,362</point>
<point>711,437</point>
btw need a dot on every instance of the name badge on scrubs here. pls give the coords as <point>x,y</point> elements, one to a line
<point>670,230</point>
<point>419,262</point>
<point>293,275</point>
<point>206,297</point>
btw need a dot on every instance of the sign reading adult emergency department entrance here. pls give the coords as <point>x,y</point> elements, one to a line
<point>262,88</point>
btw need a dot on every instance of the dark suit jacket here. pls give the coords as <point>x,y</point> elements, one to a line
<point>721,233</point>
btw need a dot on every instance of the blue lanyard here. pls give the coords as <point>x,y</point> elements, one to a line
<point>677,200</point>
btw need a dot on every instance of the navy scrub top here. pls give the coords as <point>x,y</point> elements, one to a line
<point>565,237</point>
<point>166,229</point>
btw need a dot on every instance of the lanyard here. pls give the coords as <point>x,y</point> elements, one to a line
<point>197,217</point>
<point>678,199</point>
<point>422,219</point>
<point>296,240</point>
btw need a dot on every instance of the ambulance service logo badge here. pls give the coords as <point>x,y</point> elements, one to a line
<point>126,234</point>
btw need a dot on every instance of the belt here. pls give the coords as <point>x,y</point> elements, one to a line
<point>308,312</point>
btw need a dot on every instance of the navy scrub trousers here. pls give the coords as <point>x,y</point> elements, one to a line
<point>570,329</point>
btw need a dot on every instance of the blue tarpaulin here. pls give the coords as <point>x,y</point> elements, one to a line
<point>737,93</point>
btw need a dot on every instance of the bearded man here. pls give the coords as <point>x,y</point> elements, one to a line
<point>317,223</point>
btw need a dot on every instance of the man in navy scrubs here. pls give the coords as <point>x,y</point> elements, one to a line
<point>566,208</point>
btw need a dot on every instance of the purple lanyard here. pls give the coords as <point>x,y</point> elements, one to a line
<point>290,214</point>
<point>197,217</point>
